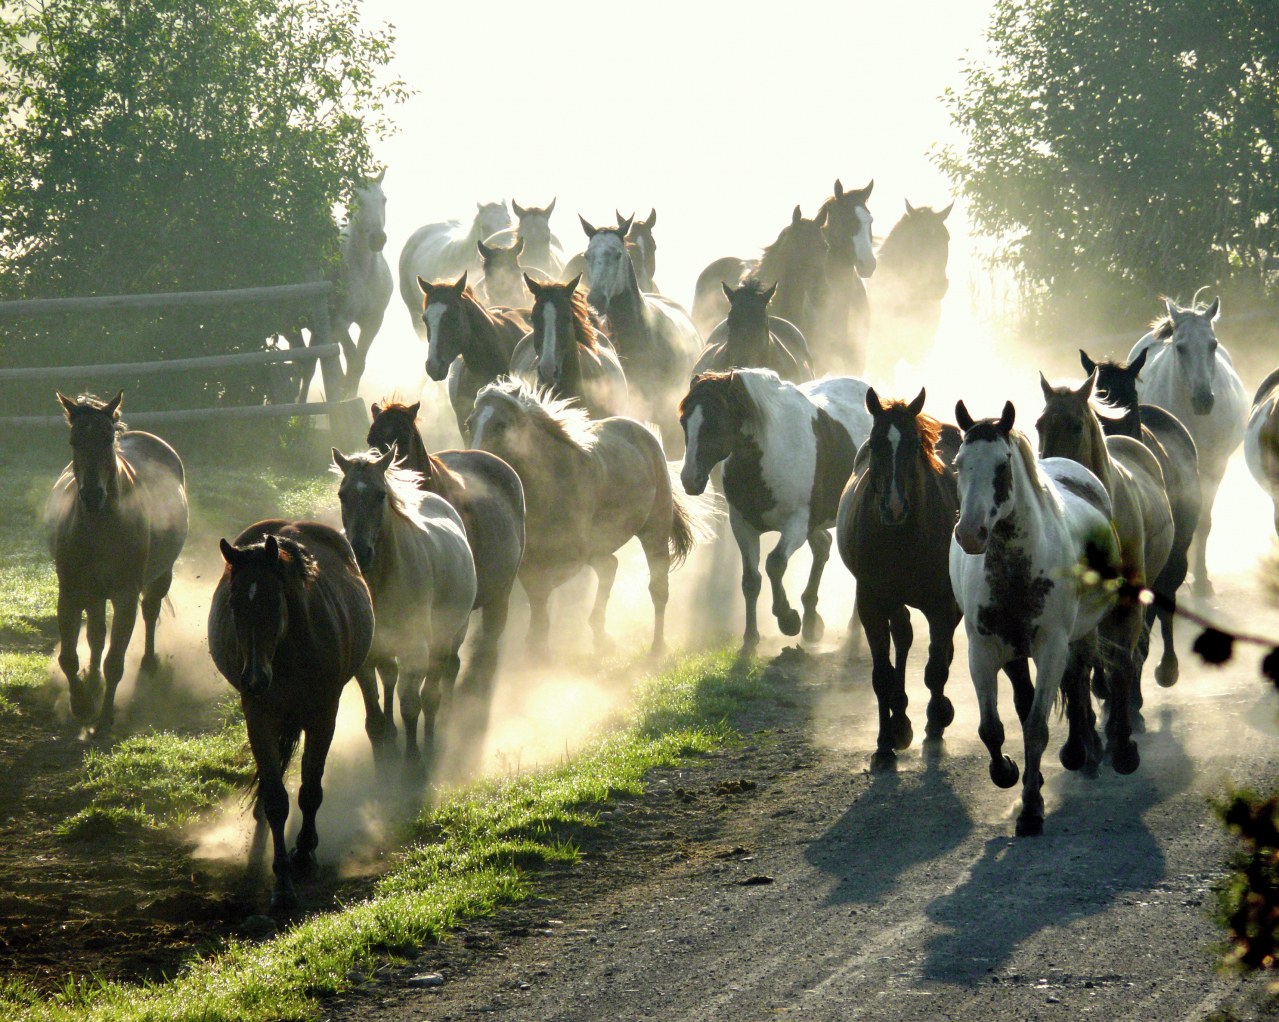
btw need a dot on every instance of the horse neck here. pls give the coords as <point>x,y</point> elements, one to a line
<point>393,534</point>
<point>357,255</point>
<point>1128,424</point>
<point>748,344</point>
<point>1030,509</point>
<point>627,312</point>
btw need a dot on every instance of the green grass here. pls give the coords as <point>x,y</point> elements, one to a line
<point>474,853</point>
<point>20,673</point>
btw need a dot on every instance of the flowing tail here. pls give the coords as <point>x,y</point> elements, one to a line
<point>693,519</point>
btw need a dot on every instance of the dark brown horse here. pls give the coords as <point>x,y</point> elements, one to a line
<point>468,344</point>
<point>116,521</point>
<point>488,495</point>
<point>893,531</point>
<point>290,623</point>
<point>749,338</point>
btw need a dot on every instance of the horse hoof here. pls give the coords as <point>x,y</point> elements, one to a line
<point>283,899</point>
<point>1203,588</point>
<point>933,746</point>
<point>749,645</point>
<point>149,664</point>
<point>941,714</point>
<point>1030,825</point>
<point>1138,723</point>
<point>1125,758</point>
<point>1072,755</point>
<point>814,627</point>
<point>1167,673</point>
<point>883,760</point>
<point>1005,773</point>
<point>302,863</point>
<point>903,733</point>
<point>789,621</point>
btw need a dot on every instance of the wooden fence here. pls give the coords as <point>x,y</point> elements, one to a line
<point>347,412</point>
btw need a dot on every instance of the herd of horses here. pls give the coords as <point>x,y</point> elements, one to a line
<point>569,397</point>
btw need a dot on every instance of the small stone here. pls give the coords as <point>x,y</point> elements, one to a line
<point>426,979</point>
<point>1053,1000</point>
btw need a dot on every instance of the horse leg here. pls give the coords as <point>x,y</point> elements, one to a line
<point>410,708</point>
<point>605,568</point>
<point>272,800</point>
<point>311,794</point>
<point>903,636</point>
<point>1050,665</point>
<point>476,686</point>
<point>1202,587</point>
<point>96,631</point>
<point>70,613</point>
<point>355,366</point>
<point>1168,670</point>
<point>748,545</point>
<point>941,651</point>
<point>376,726</point>
<point>853,649</point>
<point>657,553</point>
<point>1118,631</point>
<point>1018,672</point>
<point>819,542</point>
<point>539,619</point>
<point>1082,750</point>
<point>152,599</point>
<point>983,669</point>
<point>883,680</point>
<point>793,532</point>
<point>437,693</point>
<point>124,613</point>
<point>388,668</point>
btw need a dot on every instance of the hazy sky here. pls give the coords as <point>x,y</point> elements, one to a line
<point>722,116</point>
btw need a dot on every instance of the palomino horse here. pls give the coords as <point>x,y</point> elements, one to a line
<point>289,624</point>
<point>365,284</point>
<point>1174,448</point>
<point>749,338</point>
<point>567,355</point>
<point>541,248</point>
<point>444,250</point>
<point>653,335</point>
<point>893,532</point>
<point>590,486</point>
<point>116,521</point>
<point>1069,428</point>
<point>1261,440</point>
<point>411,546</point>
<point>1025,528</point>
<point>489,498</point>
<point>468,344</point>
<point>840,332</point>
<point>1190,374</point>
<point>787,453</point>
<point>910,281</point>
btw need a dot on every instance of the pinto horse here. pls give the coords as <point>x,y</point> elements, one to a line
<point>487,494</point>
<point>467,344</point>
<point>1025,529</point>
<point>1190,374</point>
<point>290,623</point>
<point>411,546</point>
<point>787,453</point>
<point>749,338</point>
<point>116,521</point>
<point>893,532</point>
<point>567,354</point>
<point>590,487</point>
<point>1174,448</point>
<point>1261,439</point>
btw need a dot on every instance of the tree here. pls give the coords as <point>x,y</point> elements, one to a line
<point>1121,150</point>
<point>177,145</point>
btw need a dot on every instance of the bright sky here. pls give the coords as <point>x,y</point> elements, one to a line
<point>722,116</point>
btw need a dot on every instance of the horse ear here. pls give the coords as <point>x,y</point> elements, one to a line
<point>728,291</point>
<point>68,404</point>
<point>865,193</point>
<point>272,548</point>
<point>962,417</point>
<point>519,246</point>
<point>917,406</point>
<point>768,295</point>
<point>572,284</point>
<point>520,211</point>
<point>340,460</point>
<point>534,288</point>
<point>550,208</point>
<point>651,222</point>
<point>459,285</point>
<point>839,188</point>
<point>1085,389</point>
<point>413,409</point>
<point>946,212</point>
<point>1045,386</point>
<point>229,553</point>
<point>375,410</point>
<point>823,215</point>
<point>1088,364</point>
<point>872,402</point>
<point>620,218</point>
<point>590,229</point>
<point>381,176</point>
<point>484,250</point>
<point>1007,418</point>
<point>624,226</point>
<point>796,216</point>
<point>909,208</point>
<point>1213,310</point>
<point>113,406</point>
<point>423,286</point>
<point>387,458</point>
<point>1136,364</point>
<point>1171,308</point>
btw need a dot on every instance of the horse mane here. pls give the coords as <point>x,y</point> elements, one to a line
<point>1161,327</point>
<point>88,400</point>
<point>560,418</point>
<point>403,485</point>
<point>296,562</point>
<point>732,387</point>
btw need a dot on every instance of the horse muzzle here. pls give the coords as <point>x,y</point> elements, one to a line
<point>435,370</point>
<point>255,680</point>
<point>363,556</point>
<point>1201,404</point>
<point>972,541</point>
<point>893,512</point>
<point>377,241</point>
<point>694,482</point>
<point>93,498</point>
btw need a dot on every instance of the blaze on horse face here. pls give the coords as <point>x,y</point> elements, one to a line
<point>94,426</point>
<point>711,417</point>
<point>445,320</point>
<point>258,608</point>
<point>895,454</point>
<point>985,471</point>
<point>553,330</point>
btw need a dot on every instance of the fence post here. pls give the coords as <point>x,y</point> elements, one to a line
<point>330,365</point>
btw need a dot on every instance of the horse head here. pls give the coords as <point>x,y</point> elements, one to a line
<point>713,415</point>
<point>985,471</point>
<point>534,223</point>
<point>608,266</point>
<point>848,226</point>
<point>258,600</point>
<point>554,332</point>
<point>393,426</point>
<point>368,213</point>
<point>491,217</point>
<point>642,247</point>
<point>1116,382</point>
<point>444,312</point>
<point>363,496</point>
<point>94,427</point>
<point>901,450</point>
<point>1068,427</point>
<point>502,272</point>
<point>1194,347</point>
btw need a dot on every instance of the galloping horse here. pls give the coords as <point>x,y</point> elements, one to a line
<point>290,622</point>
<point>1191,375</point>
<point>1174,448</point>
<point>1024,529</point>
<point>488,496</point>
<point>116,521</point>
<point>541,248</point>
<point>567,355</point>
<point>411,546</point>
<point>911,281</point>
<point>840,331</point>
<point>442,251</point>
<point>749,338</point>
<point>469,345</point>
<point>590,486</point>
<point>365,283</point>
<point>893,532</point>
<point>653,335</point>
<point>787,453</point>
<point>1261,440</point>
<point>1069,428</point>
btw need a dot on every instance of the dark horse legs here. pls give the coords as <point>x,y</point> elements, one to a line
<point>318,739</point>
<point>152,599</point>
<point>265,739</point>
<point>941,651</point>
<point>886,679</point>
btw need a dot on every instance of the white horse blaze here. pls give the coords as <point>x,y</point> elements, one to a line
<point>894,440</point>
<point>688,473</point>
<point>433,315</point>
<point>549,356</point>
<point>863,249</point>
<point>477,429</point>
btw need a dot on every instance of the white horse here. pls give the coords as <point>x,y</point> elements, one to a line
<point>365,284</point>
<point>1261,441</point>
<point>1025,527</point>
<point>1189,373</point>
<point>445,251</point>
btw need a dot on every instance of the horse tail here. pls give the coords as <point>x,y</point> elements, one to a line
<point>693,519</point>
